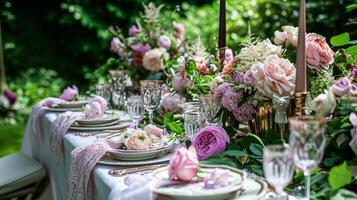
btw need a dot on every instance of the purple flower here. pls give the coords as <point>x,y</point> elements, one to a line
<point>115,46</point>
<point>219,92</point>
<point>354,74</point>
<point>10,96</point>
<point>249,78</point>
<point>172,103</point>
<point>245,112</point>
<point>69,94</point>
<point>341,87</point>
<point>354,87</point>
<point>179,83</point>
<point>141,49</point>
<point>231,99</point>
<point>353,120</point>
<point>164,42</point>
<point>133,30</point>
<point>238,77</point>
<point>228,56</point>
<point>216,179</point>
<point>209,141</point>
<point>179,29</point>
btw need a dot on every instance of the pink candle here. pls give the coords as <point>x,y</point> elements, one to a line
<point>301,78</point>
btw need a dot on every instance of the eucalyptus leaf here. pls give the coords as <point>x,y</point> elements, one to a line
<point>256,149</point>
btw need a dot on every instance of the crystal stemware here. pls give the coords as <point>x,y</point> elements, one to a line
<point>151,93</point>
<point>209,108</point>
<point>278,167</point>
<point>103,90</point>
<point>192,123</point>
<point>308,141</point>
<point>136,109</point>
<point>118,79</point>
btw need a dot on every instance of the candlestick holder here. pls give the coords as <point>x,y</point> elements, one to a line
<point>222,56</point>
<point>300,98</point>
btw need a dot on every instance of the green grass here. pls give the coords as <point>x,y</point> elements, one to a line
<point>11,138</point>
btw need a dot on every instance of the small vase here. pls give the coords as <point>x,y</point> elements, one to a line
<point>264,118</point>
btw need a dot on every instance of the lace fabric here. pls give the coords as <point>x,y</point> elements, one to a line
<point>83,159</point>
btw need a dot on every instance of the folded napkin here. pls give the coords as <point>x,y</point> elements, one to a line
<point>35,119</point>
<point>83,159</point>
<point>139,187</point>
<point>59,128</point>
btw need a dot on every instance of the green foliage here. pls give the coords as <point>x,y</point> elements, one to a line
<point>339,176</point>
<point>340,40</point>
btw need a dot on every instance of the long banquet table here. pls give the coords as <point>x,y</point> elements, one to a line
<point>57,167</point>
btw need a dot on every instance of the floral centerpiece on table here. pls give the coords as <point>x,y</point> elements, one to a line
<point>150,42</point>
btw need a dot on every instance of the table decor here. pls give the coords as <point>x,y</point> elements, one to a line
<point>136,110</point>
<point>151,93</point>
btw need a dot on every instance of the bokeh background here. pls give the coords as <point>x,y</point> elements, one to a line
<point>51,44</point>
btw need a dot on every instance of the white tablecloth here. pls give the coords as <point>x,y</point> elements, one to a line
<point>58,167</point>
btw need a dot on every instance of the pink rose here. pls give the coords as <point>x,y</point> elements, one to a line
<point>341,87</point>
<point>183,165</point>
<point>164,42</point>
<point>318,53</point>
<point>133,30</point>
<point>354,74</point>
<point>172,103</point>
<point>353,120</point>
<point>354,88</point>
<point>209,141</point>
<point>139,52</point>
<point>69,94</point>
<point>152,60</point>
<point>102,102</point>
<point>275,77</point>
<point>138,140</point>
<point>154,130</point>
<point>179,29</point>
<point>116,47</point>
<point>93,110</point>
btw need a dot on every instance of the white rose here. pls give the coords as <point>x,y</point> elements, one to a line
<point>292,35</point>
<point>280,37</point>
<point>324,104</point>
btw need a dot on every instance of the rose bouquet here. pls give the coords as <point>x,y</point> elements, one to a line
<point>149,43</point>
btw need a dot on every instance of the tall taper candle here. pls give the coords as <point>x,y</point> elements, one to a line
<point>301,79</point>
<point>222,24</point>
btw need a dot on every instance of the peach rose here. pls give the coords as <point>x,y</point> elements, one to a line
<point>183,165</point>
<point>138,140</point>
<point>276,76</point>
<point>318,53</point>
<point>154,130</point>
<point>152,60</point>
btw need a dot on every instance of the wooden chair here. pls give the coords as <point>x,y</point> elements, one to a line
<point>21,177</point>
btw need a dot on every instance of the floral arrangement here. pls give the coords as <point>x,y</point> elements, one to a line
<point>150,42</point>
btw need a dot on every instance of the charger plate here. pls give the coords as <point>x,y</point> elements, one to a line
<point>100,128</point>
<point>73,104</point>
<point>109,160</point>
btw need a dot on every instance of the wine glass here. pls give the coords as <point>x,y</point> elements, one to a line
<point>151,93</point>
<point>103,90</point>
<point>278,167</point>
<point>136,109</point>
<point>308,141</point>
<point>192,123</point>
<point>209,108</point>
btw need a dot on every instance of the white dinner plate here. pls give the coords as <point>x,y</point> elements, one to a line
<point>196,190</point>
<point>100,128</point>
<point>54,109</point>
<point>104,119</point>
<point>112,161</point>
<point>72,104</point>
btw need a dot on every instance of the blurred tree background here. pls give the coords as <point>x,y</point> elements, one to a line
<point>50,44</point>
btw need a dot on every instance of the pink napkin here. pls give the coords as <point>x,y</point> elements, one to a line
<point>83,159</point>
<point>37,113</point>
<point>59,128</point>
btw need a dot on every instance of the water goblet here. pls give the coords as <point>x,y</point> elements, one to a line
<point>103,90</point>
<point>136,109</point>
<point>307,140</point>
<point>278,164</point>
<point>118,80</point>
<point>209,108</point>
<point>151,93</point>
<point>192,123</point>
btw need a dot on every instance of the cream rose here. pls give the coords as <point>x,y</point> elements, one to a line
<point>138,140</point>
<point>276,76</point>
<point>153,59</point>
<point>291,35</point>
<point>280,37</point>
<point>324,104</point>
